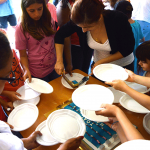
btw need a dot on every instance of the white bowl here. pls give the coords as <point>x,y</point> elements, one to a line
<point>146,122</point>
<point>34,101</point>
<point>27,93</point>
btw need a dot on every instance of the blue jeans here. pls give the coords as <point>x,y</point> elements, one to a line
<point>11,19</point>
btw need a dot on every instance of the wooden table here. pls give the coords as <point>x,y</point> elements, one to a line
<point>60,94</point>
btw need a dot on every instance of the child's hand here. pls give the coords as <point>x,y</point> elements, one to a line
<point>7,105</point>
<point>131,75</point>
<point>108,111</point>
<point>12,95</point>
<point>11,127</point>
<point>71,144</point>
<point>118,85</point>
<point>30,142</point>
<point>26,75</point>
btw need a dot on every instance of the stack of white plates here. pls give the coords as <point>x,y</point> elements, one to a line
<point>60,126</point>
<point>31,91</point>
<point>28,95</point>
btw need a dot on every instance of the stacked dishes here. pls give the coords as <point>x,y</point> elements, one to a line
<point>60,126</point>
<point>31,91</point>
<point>28,95</point>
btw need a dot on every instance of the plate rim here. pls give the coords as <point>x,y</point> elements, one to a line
<point>96,109</point>
<point>44,144</point>
<point>48,92</point>
<point>122,98</point>
<point>112,65</point>
<point>81,110</point>
<point>65,110</point>
<point>37,101</point>
<point>14,111</point>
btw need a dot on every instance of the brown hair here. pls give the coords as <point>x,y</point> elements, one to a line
<point>86,11</point>
<point>42,27</point>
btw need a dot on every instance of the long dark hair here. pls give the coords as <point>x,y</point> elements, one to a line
<point>86,11</point>
<point>5,50</point>
<point>42,27</point>
<point>143,53</point>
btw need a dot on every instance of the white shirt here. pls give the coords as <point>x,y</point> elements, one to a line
<point>102,51</point>
<point>141,10</point>
<point>7,140</point>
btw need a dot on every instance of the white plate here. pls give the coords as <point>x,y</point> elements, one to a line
<point>39,85</point>
<point>117,94</point>
<point>76,76</point>
<point>23,116</point>
<point>138,87</point>
<point>89,114</point>
<point>65,124</point>
<point>132,105</point>
<point>45,139</point>
<point>91,96</point>
<point>27,93</point>
<point>146,123</point>
<point>134,145</point>
<point>110,72</point>
<point>34,101</point>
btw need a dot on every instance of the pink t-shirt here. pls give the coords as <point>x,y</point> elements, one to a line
<point>52,10</point>
<point>41,54</point>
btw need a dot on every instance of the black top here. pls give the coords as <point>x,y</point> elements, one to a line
<point>118,30</point>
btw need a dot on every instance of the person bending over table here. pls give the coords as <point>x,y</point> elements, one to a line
<point>7,139</point>
<point>107,32</point>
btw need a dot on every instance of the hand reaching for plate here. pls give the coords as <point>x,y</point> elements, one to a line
<point>71,144</point>
<point>118,85</point>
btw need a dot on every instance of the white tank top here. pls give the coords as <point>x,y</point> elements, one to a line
<point>102,51</point>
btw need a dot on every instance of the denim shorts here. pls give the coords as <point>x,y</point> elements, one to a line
<point>11,19</point>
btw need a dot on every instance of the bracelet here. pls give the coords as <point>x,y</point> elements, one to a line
<point>114,123</point>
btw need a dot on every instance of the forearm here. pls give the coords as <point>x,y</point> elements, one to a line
<point>111,58</point>
<point>141,80</point>
<point>59,52</point>
<point>2,101</point>
<point>24,60</point>
<point>2,1</point>
<point>130,131</point>
<point>5,93</point>
<point>141,98</point>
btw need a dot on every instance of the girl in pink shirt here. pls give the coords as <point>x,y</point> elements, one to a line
<point>35,41</point>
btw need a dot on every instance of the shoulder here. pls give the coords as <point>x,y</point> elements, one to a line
<point>110,15</point>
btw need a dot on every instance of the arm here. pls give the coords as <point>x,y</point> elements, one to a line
<point>6,104</point>
<point>11,95</point>
<point>141,98</point>
<point>2,1</point>
<point>109,59</point>
<point>63,16</point>
<point>129,130</point>
<point>25,65</point>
